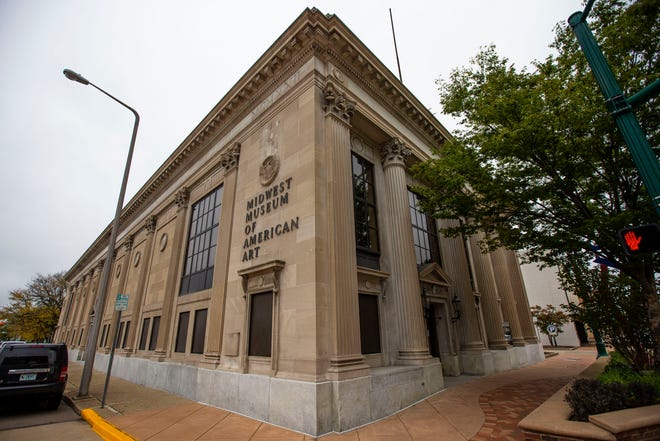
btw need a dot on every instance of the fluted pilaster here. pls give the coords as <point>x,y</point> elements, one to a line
<point>115,322</point>
<point>216,313</point>
<point>181,199</point>
<point>346,352</point>
<point>404,282</point>
<point>78,305</point>
<point>131,339</point>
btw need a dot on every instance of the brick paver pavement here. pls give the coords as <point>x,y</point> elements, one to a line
<point>505,406</point>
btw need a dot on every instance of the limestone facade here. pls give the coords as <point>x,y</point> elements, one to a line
<point>276,266</point>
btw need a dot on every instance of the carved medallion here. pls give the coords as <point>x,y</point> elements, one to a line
<point>269,169</point>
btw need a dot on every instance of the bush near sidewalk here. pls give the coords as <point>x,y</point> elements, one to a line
<point>618,387</point>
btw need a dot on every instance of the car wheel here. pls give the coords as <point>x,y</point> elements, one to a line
<point>53,402</point>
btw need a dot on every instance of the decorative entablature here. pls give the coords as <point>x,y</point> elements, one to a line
<point>433,275</point>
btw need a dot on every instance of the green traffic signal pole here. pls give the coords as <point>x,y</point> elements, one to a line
<point>619,107</point>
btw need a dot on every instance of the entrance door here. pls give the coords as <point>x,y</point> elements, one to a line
<point>438,331</point>
<point>442,330</point>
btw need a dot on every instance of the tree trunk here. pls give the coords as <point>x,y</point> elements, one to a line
<point>644,274</point>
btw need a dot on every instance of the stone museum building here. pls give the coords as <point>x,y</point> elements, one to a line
<point>277,264</point>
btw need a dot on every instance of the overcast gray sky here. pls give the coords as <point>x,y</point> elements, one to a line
<point>64,145</point>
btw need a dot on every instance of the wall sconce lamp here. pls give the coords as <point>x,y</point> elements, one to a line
<point>456,305</point>
<point>425,303</point>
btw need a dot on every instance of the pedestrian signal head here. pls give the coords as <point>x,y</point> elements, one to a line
<point>641,240</point>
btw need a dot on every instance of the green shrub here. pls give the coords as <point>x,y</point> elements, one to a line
<point>590,397</point>
<point>619,371</point>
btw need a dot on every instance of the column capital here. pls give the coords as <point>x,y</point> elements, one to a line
<point>229,159</point>
<point>394,152</point>
<point>150,224</point>
<point>128,243</point>
<point>181,197</point>
<point>337,103</point>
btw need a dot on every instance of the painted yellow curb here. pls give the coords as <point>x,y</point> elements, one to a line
<point>103,428</point>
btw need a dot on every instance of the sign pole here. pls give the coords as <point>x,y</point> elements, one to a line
<point>121,304</point>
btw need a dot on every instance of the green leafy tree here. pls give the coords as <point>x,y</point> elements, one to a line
<point>616,307</point>
<point>33,312</point>
<point>549,315</point>
<point>540,166</point>
<point>4,331</point>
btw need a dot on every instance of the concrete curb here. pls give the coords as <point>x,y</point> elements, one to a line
<point>103,428</point>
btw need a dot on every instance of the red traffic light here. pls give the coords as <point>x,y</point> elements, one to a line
<point>641,239</point>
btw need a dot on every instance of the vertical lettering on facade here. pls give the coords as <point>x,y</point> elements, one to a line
<point>273,198</point>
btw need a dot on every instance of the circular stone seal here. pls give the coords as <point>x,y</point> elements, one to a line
<point>269,169</point>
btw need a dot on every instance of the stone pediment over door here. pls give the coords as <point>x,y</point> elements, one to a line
<point>433,274</point>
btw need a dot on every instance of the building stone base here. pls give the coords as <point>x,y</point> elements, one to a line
<point>492,361</point>
<point>509,358</point>
<point>535,352</point>
<point>451,365</point>
<point>477,362</point>
<point>308,407</point>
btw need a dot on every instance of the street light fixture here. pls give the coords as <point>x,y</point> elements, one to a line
<point>92,336</point>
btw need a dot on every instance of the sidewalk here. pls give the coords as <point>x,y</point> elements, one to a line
<point>470,408</point>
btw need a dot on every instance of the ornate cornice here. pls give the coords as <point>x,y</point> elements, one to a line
<point>367,70</point>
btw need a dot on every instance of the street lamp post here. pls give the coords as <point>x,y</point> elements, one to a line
<point>92,336</point>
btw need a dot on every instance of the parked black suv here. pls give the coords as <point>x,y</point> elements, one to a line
<point>38,370</point>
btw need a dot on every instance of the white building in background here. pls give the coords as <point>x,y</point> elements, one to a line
<point>543,289</point>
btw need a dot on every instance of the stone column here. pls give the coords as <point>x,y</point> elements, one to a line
<point>509,309</point>
<point>490,299</point>
<point>346,360</point>
<point>173,274</point>
<point>455,262</point>
<point>404,280</point>
<point>131,340</point>
<point>520,297</point>
<point>216,313</point>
